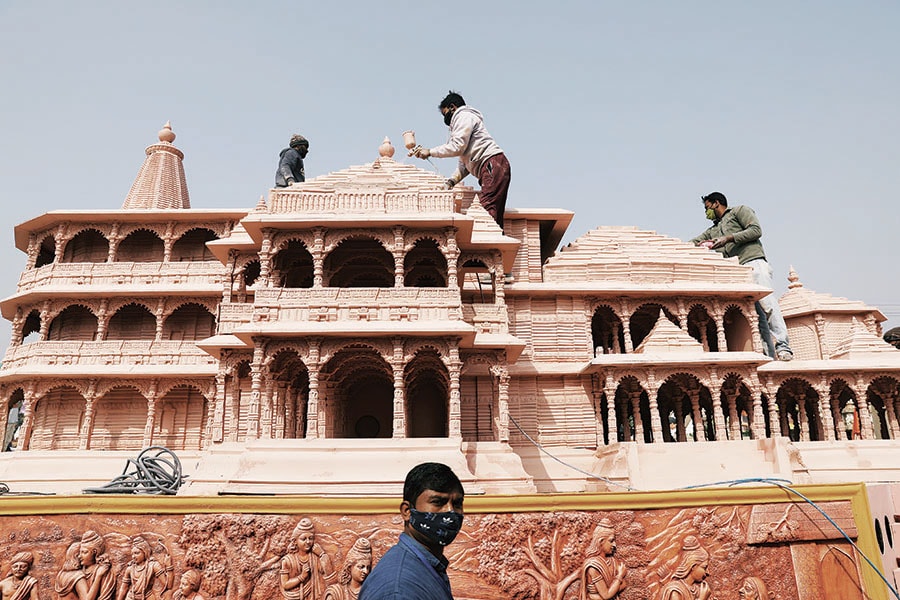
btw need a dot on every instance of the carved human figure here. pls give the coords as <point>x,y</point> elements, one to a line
<point>19,585</point>
<point>753,588</point>
<point>189,586</point>
<point>306,572</point>
<point>354,571</point>
<point>688,581</point>
<point>142,572</point>
<point>602,575</point>
<point>92,577</point>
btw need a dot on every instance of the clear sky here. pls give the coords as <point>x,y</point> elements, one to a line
<point>624,112</point>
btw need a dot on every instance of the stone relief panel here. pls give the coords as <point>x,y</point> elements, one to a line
<point>771,550</point>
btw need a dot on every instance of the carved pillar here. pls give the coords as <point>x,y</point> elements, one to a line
<point>825,415</point>
<point>888,398</point>
<point>292,398</point>
<point>28,402</point>
<point>281,392</point>
<point>680,433</point>
<point>168,241</point>
<point>501,425</point>
<point>697,416</point>
<point>267,404</point>
<point>45,320</point>
<point>160,318</point>
<point>715,391</point>
<point>87,425</point>
<point>253,416</point>
<point>318,255</point>
<point>399,415</point>
<point>399,254</point>
<point>451,253</point>
<point>626,330</point>
<point>114,240</point>
<point>231,268</point>
<point>804,418</point>
<point>17,325</point>
<point>233,405</point>
<point>59,239</point>
<point>150,425</point>
<point>32,252</point>
<point>454,416</point>
<point>635,398</point>
<point>721,340</point>
<point>312,403</point>
<point>655,418</point>
<point>734,419</point>
<point>866,427</point>
<point>609,390</point>
<point>102,319</point>
<point>755,337</point>
<point>840,432</point>
<point>216,429</point>
<point>682,315</point>
<point>702,323</point>
<point>616,326</point>
<point>265,258</point>
<point>758,427</point>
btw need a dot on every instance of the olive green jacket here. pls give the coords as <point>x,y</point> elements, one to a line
<point>741,222</point>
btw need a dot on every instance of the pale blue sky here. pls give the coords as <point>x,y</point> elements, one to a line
<point>623,112</point>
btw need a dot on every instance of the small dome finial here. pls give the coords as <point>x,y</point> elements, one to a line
<point>166,134</point>
<point>794,279</point>
<point>386,149</point>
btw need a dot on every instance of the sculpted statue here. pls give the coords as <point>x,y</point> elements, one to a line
<point>90,577</point>
<point>19,585</point>
<point>189,586</point>
<point>356,566</point>
<point>688,582</point>
<point>143,571</point>
<point>602,575</point>
<point>753,588</point>
<point>306,572</point>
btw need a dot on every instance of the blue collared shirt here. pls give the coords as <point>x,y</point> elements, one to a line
<point>408,571</point>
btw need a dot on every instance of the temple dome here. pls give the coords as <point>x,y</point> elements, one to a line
<point>160,184</point>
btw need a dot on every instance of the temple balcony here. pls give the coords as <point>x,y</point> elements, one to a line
<point>69,277</point>
<point>131,357</point>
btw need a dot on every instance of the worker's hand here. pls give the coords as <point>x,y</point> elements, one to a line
<point>422,153</point>
<point>721,241</point>
<point>448,185</point>
<point>290,181</point>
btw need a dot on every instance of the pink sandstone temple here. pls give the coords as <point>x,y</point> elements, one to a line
<point>346,328</point>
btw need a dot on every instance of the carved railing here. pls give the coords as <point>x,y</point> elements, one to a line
<point>361,201</point>
<point>124,273</point>
<point>487,318</point>
<point>130,352</point>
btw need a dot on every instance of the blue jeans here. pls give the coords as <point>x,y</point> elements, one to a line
<point>772,327</point>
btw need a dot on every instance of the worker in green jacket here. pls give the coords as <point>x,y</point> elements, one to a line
<point>735,232</point>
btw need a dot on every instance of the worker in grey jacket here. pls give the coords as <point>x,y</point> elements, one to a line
<point>735,232</point>
<point>290,162</point>
<point>478,154</point>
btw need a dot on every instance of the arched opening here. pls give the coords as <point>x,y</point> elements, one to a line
<point>192,246</point>
<point>119,420</point>
<point>14,418</point>
<point>189,322</point>
<point>243,280</point>
<point>88,246</point>
<point>141,246</point>
<point>847,425</point>
<point>292,266</point>
<point>363,393</point>
<point>800,411</point>
<point>46,252</point>
<point>633,412</point>
<point>237,402</point>
<point>427,396</point>
<point>359,262</point>
<point>132,322</point>
<point>702,328</point>
<point>882,396</point>
<point>58,418</point>
<point>292,394</point>
<point>425,265</point>
<point>737,408</point>
<point>607,333</point>
<point>738,335</point>
<point>476,282</point>
<point>685,409</point>
<point>180,415</point>
<point>643,320</point>
<point>73,324</point>
<point>31,327</point>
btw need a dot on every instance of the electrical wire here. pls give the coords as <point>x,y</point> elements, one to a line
<point>784,484</point>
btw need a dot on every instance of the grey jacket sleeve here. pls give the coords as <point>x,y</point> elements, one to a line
<point>750,229</point>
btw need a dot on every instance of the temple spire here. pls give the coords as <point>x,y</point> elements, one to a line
<point>160,184</point>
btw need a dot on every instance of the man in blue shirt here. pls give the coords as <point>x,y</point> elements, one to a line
<point>415,568</point>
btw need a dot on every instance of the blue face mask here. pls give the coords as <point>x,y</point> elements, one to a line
<point>441,528</point>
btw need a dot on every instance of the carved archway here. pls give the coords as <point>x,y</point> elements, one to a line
<point>87,246</point>
<point>191,246</point>
<point>75,323</point>
<point>141,245</point>
<point>427,384</point>
<point>359,403</point>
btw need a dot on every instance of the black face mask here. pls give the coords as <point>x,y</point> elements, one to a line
<point>448,116</point>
